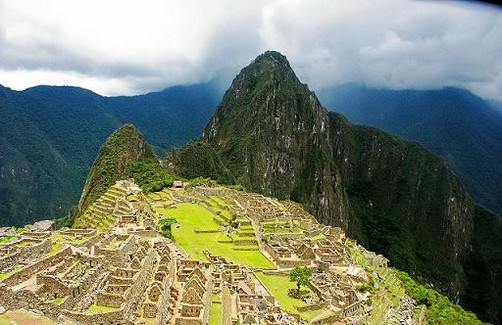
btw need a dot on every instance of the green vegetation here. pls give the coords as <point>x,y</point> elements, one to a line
<point>7,274</point>
<point>471,141</point>
<point>279,286</point>
<point>165,226</point>
<point>300,275</point>
<point>219,201</point>
<point>116,157</point>
<point>439,309</point>
<point>237,187</point>
<point>51,134</point>
<point>199,159</point>
<point>215,310</point>
<point>396,197</point>
<point>6,238</point>
<point>483,267</point>
<point>99,309</point>
<point>201,181</point>
<point>150,175</point>
<point>193,218</point>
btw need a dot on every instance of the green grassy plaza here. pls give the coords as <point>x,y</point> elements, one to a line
<point>279,285</point>
<point>192,217</point>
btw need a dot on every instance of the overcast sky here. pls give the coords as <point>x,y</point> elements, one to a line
<point>122,47</point>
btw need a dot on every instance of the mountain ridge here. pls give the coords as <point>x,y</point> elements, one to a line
<point>275,137</point>
<point>50,136</point>
<point>451,122</point>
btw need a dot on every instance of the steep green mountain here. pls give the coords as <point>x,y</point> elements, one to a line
<point>121,150</point>
<point>49,137</point>
<point>451,122</point>
<point>395,197</point>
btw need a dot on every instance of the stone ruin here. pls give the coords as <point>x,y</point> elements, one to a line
<point>132,275</point>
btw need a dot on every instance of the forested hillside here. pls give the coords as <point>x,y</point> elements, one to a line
<point>451,122</point>
<point>49,137</point>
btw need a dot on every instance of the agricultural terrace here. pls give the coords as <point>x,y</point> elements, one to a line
<point>198,231</point>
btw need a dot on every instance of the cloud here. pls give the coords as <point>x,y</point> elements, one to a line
<point>391,44</point>
<point>128,47</point>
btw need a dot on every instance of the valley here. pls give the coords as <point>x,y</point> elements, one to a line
<point>161,240</point>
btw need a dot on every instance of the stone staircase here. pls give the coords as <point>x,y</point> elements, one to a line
<point>104,211</point>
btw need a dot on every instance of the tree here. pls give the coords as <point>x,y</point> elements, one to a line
<point>301,276</point>
<point>165,226</point>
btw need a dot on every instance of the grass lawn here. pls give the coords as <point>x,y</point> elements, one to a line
<point>59,300</point>
<point>279,285</point>
<point>316,237</point>
<point>100,309</point>
<point>218,200</point>
<point>215,311</point>
<point>6,238</point>
<point>194,217</point>
<point>6,274</point>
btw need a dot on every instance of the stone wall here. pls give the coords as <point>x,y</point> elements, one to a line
<point>74,232</point>
<point>146,233</point>
<point>53,286</point>
<point>28,271</point>
<point>8,262</point>
<point>28,300</point>
<point>140,282</point>
<point>188,321</point>
<point>109,299</point>
<point>120,256</point>
<point>109,318</point>
<point>320,305</point>
<point>327,320</point>
<point>37,234</point>
<point>24,254</point>
<point>92,241</point>
<point>163,314</point>
<point>36,250</point>
<point>207,303</point>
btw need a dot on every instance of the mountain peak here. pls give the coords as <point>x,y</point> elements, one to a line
<point>269,68</point>
<point>272,59</point>
<point>268,123</point>
<point>265,97</point>
<point>120,150</point>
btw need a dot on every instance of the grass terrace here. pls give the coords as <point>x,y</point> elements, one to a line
<point>7,274</point>
<point>215,310</point>
<point>279,285</point>
<point>283,227</point>
<point>219,201</point>
<point>99,309</point>
<point>197,231</point>
<point>5,239</point>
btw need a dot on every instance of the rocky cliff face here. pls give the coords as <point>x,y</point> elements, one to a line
<point>405,202</point>
<point>122,148</point>
<point>274,135</point>
<point>395,197</point>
